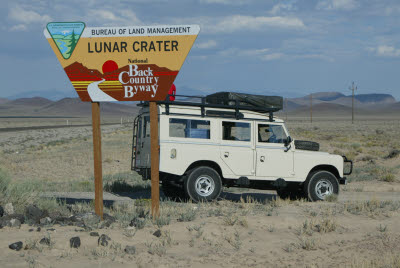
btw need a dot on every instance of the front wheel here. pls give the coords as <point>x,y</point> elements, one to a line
<point>321,184</point>
<point>203,184</point>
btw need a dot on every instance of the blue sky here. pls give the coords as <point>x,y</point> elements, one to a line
<point>289,48</point>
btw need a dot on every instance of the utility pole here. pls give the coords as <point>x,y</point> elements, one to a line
<point>352,88</point>
<point>311,107</point>
<point>286,109</point>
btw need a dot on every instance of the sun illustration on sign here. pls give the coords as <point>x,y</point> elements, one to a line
<point>109,66</point>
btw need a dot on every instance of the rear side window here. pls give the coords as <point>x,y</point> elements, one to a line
<point>146,127</point>
<point>235,131</point>
<point>188,128</point>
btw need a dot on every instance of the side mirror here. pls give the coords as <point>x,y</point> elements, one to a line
<point>288,144</point>
<point>288,141</point>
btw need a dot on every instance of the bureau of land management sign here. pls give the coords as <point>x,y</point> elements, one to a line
<point>129,63</point>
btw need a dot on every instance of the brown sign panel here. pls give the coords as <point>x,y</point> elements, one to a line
<point>121,63</point>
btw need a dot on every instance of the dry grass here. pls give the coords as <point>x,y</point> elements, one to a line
<point>224,233</point>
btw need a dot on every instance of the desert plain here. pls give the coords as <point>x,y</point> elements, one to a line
<point>52,169</point>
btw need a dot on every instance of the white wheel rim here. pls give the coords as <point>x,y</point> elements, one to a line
<point>323,188</point>
<point>204,185</point>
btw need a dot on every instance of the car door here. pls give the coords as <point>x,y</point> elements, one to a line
<point>273,160</point>
<point>237,147</point>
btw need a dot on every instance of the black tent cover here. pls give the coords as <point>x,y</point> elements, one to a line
<point>246,100</point>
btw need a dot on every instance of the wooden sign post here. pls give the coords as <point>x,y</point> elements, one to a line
<point>132,63</point>
<point>98,171</point>
<point>155,161</point>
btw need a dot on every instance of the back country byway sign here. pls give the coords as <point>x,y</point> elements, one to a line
<point>133,63</point>
<point>121,63</point>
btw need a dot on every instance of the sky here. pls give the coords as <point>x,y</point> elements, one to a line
<point>290,48</point>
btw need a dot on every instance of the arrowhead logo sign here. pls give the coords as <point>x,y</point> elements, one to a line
<point>66,36</point>
<point>133,63</point>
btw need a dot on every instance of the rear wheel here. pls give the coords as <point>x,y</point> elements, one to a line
<point>203,184</point>
<point>321,184</point>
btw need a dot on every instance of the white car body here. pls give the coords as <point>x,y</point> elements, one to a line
<point>252,159</point>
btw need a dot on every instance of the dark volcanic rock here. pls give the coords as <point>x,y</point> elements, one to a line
<point>16,246</point>
<point>138,223</point>
<point>34,214</point>
<point>38,229</point>
<point>130,250</point>
<point>94,234</point>
<point>107,221</point>
<point>75,242</point>
<point>5,220</point>
<point>45,241</point>
<point>103,240</point>
<point>1,211</point>
<point>157,233</point>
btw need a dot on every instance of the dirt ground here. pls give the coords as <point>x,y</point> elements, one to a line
<point>247,228</point>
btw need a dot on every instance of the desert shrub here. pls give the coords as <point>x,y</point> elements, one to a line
<point>371,208</point>
<point>162,220</point>
<point>124,182</point>
<point>372,172</point>
<point>156,249</point>
<point>387,260</point>
<point>308,243</point>
<point>189,214</point>
<point>393,154</point>
<point>325,225</point>
<point>19,194</point>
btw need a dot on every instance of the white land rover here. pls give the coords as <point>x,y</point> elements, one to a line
<point>233,140</point>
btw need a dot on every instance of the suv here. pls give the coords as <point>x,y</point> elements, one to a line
<point>236,142</point>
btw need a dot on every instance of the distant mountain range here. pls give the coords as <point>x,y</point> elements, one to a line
<point>73,107</point>
<point>50,94</point>
<point>324,103</point>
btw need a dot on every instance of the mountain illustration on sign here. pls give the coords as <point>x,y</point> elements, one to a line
<point>66,36</point>
<point>108,81</point>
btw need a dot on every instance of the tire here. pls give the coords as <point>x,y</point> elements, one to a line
<point>203,184</point>
<point>172,192</point>
<point>292,192</point>
<point>321,184</point>
<point>306,145</point>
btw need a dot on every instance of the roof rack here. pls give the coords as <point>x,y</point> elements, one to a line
<point>200,101</point>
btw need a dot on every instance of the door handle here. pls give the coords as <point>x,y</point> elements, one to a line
<point>226,154</point>
<point>262,158</point>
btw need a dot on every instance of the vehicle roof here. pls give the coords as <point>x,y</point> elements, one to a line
<point>177,110</point>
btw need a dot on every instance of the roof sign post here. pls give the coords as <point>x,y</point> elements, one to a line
<point>131,63</point>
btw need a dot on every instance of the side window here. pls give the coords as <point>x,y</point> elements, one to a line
<point>236,131</point>
<point>187,128</point>
<point>271,133</point>
<point>146,126</point>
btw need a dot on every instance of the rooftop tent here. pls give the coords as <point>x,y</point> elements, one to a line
<point>246,100</point>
